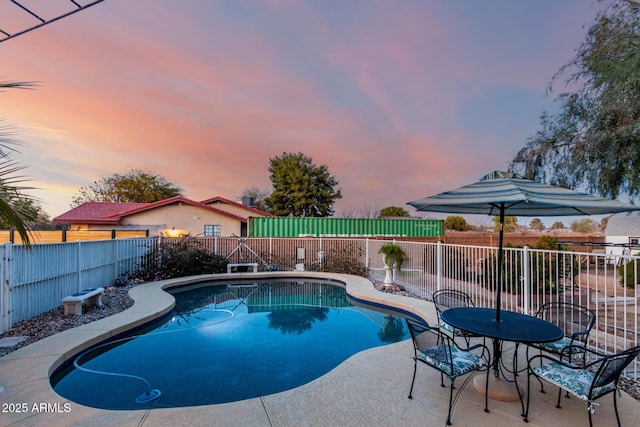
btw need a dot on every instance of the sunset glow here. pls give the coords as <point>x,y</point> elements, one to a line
<point>399,99</point>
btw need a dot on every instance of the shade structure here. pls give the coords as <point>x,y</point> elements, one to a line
<point>521,197</point>
<point>504,193</point>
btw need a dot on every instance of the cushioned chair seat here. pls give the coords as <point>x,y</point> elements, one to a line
<point>576,382</point>
<point>462,362</point>
<point>560,347</point>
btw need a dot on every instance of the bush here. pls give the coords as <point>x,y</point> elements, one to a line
<point>179,258</point>
<point>345,260</point>
<point>561,268</point>
<point>629,273</point>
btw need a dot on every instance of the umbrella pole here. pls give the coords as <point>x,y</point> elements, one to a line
<point>500,263</point>
<point>496,343</point>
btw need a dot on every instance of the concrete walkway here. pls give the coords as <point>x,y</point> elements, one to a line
<point>369,389</point>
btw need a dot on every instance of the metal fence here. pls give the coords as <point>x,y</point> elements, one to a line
<point>35,280</point>
<point>604,283</point>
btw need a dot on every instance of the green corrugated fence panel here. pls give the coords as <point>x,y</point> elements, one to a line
<point>355,227</point>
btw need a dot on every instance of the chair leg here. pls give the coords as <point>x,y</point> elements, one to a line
<point>615,406</point>
<point>526,411</point>
<point>486,392</point>
<point>450,403</point>
<point>559,397</point>
<point>413,380</point>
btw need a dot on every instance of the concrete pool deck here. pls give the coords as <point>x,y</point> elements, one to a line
<point>370,388</point>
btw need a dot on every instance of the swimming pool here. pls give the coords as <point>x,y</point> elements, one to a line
<point>228,341</point>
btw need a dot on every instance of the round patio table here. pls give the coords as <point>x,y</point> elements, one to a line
<point>514,327</point>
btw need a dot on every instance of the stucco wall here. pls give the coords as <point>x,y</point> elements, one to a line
<point>183,217</point>
<point>618,240</point>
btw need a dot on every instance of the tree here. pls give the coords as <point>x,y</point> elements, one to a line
<point>594,141</point>
<point>32,214</point>
<point>536,224</point>
<point>133,186</point>
<point>258,195</point>
<point>558,225</point>
<point>585,225</point>
<point>301,188</point>
<point>510,224</point>
<point>392,211</point>
<point>11,188</point>
<point>457,223</point>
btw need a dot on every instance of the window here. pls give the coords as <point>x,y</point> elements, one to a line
<point>211,230</point>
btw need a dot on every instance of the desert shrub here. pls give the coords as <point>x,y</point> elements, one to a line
<point>346,260</point>
<point>629,273</point>
<point>546,271</point>
<point>272,261</point>
<point>179,258</point>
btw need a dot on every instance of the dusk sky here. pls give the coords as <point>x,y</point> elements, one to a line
<point>400,99</point>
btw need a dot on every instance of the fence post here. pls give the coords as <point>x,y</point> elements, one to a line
<point>5,294</point>
<point>439,265</point>
<point>366,253</point>
<point>526,280</point>
<point>116,259</point>
<point>79,268</point>
<point>3,307</point>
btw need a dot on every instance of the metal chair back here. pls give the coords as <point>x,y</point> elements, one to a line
<point>451,298</point>
<point>576,321</point>
<point>612,367</point>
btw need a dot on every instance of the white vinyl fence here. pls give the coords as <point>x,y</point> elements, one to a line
<point>35,280</point>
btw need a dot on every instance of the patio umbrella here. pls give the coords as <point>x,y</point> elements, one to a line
<point>500,193</point>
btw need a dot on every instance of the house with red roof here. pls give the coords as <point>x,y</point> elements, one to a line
<point>173,217</point>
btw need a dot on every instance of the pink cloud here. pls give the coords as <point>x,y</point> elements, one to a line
<point>206,99</point>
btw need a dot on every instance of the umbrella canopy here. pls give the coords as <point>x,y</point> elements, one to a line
<point>500,193</point>
<point>521,197</point>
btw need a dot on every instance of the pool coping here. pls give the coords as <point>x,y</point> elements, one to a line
<point>25,373</point>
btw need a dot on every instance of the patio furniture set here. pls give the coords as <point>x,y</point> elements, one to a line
<point>556,336</point>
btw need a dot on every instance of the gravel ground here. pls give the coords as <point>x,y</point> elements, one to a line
<point>116,299</point>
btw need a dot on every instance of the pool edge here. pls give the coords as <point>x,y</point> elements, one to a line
<point>39,360</point>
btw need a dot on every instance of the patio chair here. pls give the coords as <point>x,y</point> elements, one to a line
<point>576,323</point>
<point>451,298</point>
<point>588,382</point>
<point>438,350</point>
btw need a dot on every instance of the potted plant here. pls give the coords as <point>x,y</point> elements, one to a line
<point>393,256</point>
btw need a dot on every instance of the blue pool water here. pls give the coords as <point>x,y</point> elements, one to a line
<point>227,343</point>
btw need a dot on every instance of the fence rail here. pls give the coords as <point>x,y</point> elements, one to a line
<point>35,280</point>
<point>60,236</point>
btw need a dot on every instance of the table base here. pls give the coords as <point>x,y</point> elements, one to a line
<point>499,388</point>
